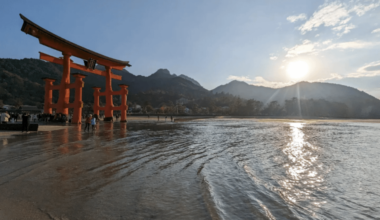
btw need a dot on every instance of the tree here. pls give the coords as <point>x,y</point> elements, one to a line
<point>18,103</point>
<point>273,108</point>
<point>149,108</point>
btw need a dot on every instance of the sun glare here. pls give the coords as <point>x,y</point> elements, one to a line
<point>297,69</point>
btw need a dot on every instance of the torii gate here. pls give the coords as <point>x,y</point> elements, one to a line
<point>90,59</point>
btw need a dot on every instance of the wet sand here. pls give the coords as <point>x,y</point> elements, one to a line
<point>220,168</point>
<point>40,128</point>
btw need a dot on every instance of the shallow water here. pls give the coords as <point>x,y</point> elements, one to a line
<point>205,169</point>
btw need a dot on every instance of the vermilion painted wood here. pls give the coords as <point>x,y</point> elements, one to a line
<point>69,49</point>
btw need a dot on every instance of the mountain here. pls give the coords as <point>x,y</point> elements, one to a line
<point>246,91</point>
<point>190,79</point>
<point>21,79</point>
<point>359,102</point>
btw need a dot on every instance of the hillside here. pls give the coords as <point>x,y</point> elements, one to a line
<point>21,79</point>
<point>359,102</point>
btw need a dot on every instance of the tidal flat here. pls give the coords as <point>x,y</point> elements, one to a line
<point>210,168</point>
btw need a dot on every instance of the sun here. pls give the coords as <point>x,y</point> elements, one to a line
<point>297,69</point>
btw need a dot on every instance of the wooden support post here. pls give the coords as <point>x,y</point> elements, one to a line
<point>96,100</point>
<point>64,92</point>
<point>78,104</point>
<point>124,107</point>
<point>48,95</point>
<point>109,101</point>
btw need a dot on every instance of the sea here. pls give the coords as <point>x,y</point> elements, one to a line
<point>220,168</point>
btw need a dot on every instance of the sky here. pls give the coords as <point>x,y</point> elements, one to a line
<point>213,41</point>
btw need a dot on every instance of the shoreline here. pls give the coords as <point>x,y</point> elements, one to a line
<point>179,119</point>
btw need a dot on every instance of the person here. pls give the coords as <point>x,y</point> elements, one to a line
<point>70,117</point>
<point>5,117</point>
<point>93,123</point>
<point>12,120</point>
<point>171,118</point>
<point>165,117</point>
<point>88,121</point>
<point>35,117</point>
<point>158,117</point>
<point>25,122</point>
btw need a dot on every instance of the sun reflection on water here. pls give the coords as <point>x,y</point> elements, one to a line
<point>303,169</point>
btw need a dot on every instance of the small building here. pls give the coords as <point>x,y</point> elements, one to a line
<point>187,110</point>
<point>8,107</point>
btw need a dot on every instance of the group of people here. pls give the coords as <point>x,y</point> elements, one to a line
<point>26,119</point>
<point>158,117</point>
<point>91,119</point>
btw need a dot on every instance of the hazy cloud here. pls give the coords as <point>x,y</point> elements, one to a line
<point>239,78</point>
<point>376,31</point>
<point>295,18</point>
<point>273,58</point>
<point>304,48</point>
<point>370,69</point>
<point>332,77</point>
<point>352,45</point>
<point>260,81</point>
<point>308,47</point>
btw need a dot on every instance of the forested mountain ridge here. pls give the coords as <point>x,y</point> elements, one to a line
<point>358,102</point>
<point>21,80</point>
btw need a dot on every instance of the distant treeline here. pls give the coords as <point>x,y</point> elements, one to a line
<point>226,104</point>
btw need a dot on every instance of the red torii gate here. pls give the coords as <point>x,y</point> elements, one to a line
<point>90,59</point>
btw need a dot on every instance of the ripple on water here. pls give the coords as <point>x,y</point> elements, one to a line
<point>208,169</point>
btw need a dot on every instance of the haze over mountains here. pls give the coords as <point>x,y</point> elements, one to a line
<point>21,79</point>
<point>302,90</point>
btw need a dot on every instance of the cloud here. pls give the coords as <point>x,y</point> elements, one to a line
<point>260,81</point>
<point>352,45</point>
<point>333,76</point>
<point>295,18</point>
<point>361,9</point>
<point>370,69</point>
<point>337,16</point>
<point>308,47</point>
<point>273,58</point>
<point>239,78</point>
<point>328,15</point>
<point>376,31</point>
<point>326,42</point>
<point>305,48</point>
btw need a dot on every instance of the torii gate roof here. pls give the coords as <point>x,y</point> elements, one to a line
<point>58,43</point>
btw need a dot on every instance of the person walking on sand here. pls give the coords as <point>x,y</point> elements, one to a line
<point>88,121</point>
<point>25,122</point>
<point>5,117</point>
<point>93,123</point>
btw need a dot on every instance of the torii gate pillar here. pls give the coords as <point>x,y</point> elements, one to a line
<point>64,91</point>
<point>108,93</point>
